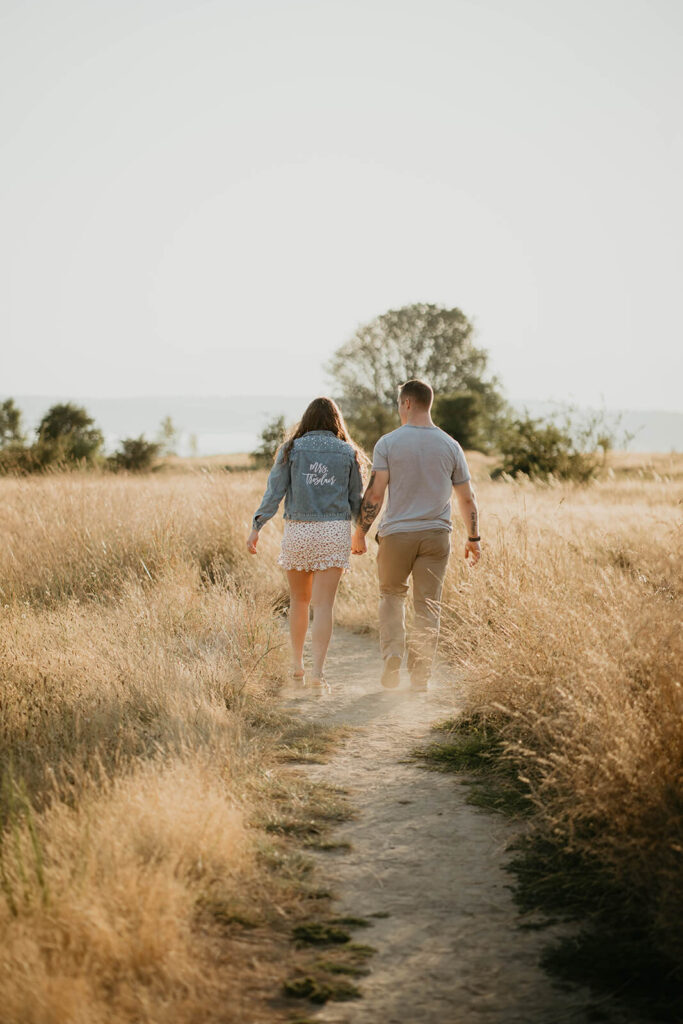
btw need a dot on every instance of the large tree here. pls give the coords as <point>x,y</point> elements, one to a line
<point>426,341</point>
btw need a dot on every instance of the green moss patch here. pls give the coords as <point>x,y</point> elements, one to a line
<point>474,747</point>
<point>319,990</point>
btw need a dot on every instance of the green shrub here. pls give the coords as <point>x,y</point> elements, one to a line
<point>14,455</point>
<point>11,434</point>
<point>135,455</point>
<point>67,434</point>
<point>543,449</point>
<point>272,436</point>
<point>16,458</point>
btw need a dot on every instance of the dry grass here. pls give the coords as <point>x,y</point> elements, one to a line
<point>107,933</point>
<point>235,462</point>
<point>656,466</point>
<point>567,638</point>
<point>158,666</point>
<point>140,653</point>
<point>86,535</point>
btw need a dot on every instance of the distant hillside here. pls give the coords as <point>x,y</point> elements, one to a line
<point>233,424</point>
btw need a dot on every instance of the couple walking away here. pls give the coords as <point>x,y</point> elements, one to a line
<point>319,472</point>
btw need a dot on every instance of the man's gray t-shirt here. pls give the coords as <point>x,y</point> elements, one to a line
<point>423,464</point>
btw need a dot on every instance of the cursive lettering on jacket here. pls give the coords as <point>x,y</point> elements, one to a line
<point>318,475</point>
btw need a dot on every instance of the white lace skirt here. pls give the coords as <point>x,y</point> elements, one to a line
<point>320,545</point>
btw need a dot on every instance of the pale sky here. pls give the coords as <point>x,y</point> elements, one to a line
<point>208,197</point>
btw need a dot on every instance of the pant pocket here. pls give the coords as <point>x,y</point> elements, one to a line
<point>438,545</point>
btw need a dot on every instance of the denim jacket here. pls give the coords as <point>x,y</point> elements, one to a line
<point>320,480</point>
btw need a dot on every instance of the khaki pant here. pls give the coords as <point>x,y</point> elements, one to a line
<point>424,554</point>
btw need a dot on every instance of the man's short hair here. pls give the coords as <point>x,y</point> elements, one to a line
<point>417,391</point>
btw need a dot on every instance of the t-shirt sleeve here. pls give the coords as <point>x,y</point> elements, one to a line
<point>461,473</point>
<point>379,455</point>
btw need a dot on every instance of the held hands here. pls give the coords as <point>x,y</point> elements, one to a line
<point>252,541</point>
<point>359,544</point>
<point>473,549</point>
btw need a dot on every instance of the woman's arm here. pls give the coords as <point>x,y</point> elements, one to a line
<point>276,488</point>
<point>355,489</point>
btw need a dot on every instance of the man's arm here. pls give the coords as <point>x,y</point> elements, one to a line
<point>467,503</point>
<point>369,508</point>
<point>373,498</point>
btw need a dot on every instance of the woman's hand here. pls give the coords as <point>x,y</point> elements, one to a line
<point>252,541</point>
<point>359,544</point>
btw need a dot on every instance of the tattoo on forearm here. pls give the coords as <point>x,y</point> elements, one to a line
<point>368,509</point>
<point>368,514</point>
<point>474,522</point>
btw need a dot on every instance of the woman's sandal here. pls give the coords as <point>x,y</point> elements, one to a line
<point>297,674</point>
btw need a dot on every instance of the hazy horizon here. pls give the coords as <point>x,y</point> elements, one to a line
<point>227,424</point>
<point>66,396</point>
<point>196,192</point>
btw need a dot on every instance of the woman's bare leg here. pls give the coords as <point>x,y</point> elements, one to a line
<point>325,583</point>
<point>300,587</point>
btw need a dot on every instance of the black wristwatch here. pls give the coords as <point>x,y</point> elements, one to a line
<point>474,538</point>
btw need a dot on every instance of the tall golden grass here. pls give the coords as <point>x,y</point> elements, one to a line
<point>85,535</point>
<point>140,656</point>
<point>567,638</point>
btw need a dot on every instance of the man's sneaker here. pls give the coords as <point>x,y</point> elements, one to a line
<point>391,672</point>
<point>416,683</point>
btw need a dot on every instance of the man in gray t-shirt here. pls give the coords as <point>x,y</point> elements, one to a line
<point>419,464</point>
<point>426,463</point>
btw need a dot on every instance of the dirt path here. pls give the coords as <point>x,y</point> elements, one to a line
<point>450,950</point>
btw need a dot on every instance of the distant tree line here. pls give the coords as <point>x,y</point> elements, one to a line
<point>435,343</point>
<point>67,437</point>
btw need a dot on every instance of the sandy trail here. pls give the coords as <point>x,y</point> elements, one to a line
<point>451,949</point>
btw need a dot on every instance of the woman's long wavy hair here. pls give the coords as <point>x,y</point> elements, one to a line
<point>324,414</point>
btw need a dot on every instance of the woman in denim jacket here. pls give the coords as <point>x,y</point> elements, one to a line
<point>318,473</point>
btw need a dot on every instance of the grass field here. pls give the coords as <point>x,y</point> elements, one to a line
<point>142,652</point>
<point>567,647</point>
<point>144,874</point>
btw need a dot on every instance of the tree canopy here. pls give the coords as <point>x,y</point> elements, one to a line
<point>10,424</point>
<point>66,432</point>
<point>426,341</point>
<point>462,414</point>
